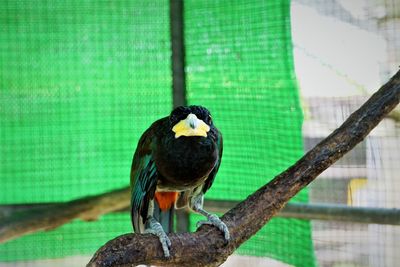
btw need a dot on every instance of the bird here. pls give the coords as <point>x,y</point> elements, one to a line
<point>174,165</point>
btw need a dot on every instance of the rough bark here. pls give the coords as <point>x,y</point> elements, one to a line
<point>206,247</point>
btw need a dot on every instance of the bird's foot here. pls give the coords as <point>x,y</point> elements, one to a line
<point>155,228</point>
<point>216,221</point>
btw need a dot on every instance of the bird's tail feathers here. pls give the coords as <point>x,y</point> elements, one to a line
<point>164,217</point>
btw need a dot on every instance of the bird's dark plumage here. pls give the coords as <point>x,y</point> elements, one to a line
<point>175,163</point>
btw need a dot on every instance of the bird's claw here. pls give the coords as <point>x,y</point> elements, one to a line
<point>216,221</point>
<point>156,229</point>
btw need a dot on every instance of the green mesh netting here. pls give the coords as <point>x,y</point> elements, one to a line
<point>240,65</point>
<point>81,80</point>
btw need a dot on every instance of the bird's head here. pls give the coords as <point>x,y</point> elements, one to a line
<point>190,121</point>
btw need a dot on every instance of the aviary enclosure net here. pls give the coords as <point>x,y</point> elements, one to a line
<point>81,80</point>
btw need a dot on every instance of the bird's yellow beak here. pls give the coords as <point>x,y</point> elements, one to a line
<point>191,126</point>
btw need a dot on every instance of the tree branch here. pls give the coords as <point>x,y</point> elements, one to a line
<point>50,216</point>
<point>206,247</point>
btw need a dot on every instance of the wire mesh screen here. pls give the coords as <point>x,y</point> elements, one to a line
<point>344,50</point>
<point>366,177</point>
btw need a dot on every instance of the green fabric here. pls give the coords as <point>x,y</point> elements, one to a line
<point>76,238</point>
<point>240,65</point>
<point>81,80</point>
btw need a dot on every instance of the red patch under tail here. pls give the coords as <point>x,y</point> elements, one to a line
<point>166,200</point>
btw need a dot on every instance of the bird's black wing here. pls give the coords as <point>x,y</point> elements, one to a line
<point>210,179</point>
<point>143,177</point>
